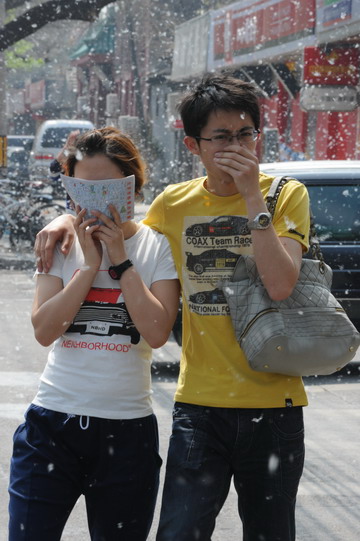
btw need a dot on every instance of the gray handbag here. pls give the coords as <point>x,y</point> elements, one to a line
<point>306,334</point>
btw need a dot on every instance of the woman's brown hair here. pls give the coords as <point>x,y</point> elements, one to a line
<point>113,144</point>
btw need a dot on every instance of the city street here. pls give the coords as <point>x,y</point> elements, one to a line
<point>328,502</point>
<point>190,99</point>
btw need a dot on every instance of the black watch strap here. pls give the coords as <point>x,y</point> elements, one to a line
<point>55,166</point>
<point>116,271</point>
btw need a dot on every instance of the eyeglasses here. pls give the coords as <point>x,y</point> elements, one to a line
<point>242,136</point>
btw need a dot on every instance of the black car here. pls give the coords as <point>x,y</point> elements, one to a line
<point>334,189</point>
<point>222,225</point>
<point>211,259</point>
<point>214,296</point>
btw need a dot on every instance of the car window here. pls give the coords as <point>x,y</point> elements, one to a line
<point>15,142</point>
<point>28,143</point>
<point>56,137</point>
<point>336,212</point>
<point>23,142</point>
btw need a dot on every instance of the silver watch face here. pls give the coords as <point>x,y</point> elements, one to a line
<point>264,220</point>
<point>261,221</point>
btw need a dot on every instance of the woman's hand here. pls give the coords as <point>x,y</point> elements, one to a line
<point>91,247</point>
<point>153,310</point>
<point>111,232</point>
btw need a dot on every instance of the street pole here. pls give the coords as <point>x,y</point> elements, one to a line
<point>3,119</point>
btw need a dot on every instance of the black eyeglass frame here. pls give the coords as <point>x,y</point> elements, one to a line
<point>255,132</point>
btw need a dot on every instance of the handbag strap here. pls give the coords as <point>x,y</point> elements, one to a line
<point>271,199</point>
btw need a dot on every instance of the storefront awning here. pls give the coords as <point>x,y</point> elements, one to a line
<point>99,39</point>
<point>263,77</point>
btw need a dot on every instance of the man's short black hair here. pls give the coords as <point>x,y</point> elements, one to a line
<point>215,92</point>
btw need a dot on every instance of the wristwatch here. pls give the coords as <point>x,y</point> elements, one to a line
<point>55,166</point>
<point>261,221</point>
<point>116,271</point>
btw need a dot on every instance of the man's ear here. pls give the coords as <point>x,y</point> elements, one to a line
<point>192,145</point>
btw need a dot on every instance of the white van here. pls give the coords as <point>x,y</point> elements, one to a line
<point>49,140</point>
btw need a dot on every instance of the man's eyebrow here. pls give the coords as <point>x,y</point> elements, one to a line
<point>224,130</point>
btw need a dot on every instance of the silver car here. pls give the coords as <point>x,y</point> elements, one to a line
<point>49,140</point>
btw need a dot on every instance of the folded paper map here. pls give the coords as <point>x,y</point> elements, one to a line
<point>98,194</point>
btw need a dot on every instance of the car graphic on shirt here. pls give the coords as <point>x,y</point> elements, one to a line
<point>102,315</point>
<point>220,226</point>
<point>211,259</point>
<point>214,296</point>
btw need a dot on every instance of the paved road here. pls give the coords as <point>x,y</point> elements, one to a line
<point>329,495</point>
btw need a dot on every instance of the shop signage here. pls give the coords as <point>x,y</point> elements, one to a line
<point>328,98</point>
<point>35,94</point>
<point>339,66</point>
<point>248,27</point>
<point>330,13</point>
<point>191,48</point>
<point>335,11</point>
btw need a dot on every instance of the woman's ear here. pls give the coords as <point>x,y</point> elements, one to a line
<point>192,145</point>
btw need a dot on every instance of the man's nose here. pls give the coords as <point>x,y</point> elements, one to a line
<point>234,140</point>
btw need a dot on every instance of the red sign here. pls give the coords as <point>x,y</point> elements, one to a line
<point>239,29</point>
<point>339,66</point>
<point>247,31</point>
<point>177,124</point>
<point>35,94</point>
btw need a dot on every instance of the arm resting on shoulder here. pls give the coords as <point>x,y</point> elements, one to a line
<point>60,229</point>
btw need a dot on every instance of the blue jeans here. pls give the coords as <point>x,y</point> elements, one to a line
<point>57,457</point>
<point>261,449</point>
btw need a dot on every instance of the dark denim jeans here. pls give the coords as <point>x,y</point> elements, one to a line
<point>261,449</point>
<point>57,457</point>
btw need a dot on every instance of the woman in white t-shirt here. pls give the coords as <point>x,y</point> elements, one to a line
<point>90,428</point>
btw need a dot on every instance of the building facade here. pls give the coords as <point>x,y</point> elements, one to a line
<point>303,58</point>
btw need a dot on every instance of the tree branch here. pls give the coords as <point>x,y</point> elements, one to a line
<point>35,18</point>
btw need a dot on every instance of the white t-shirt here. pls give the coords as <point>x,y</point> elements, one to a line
<point>101,365</point>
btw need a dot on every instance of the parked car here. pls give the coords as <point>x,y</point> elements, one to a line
<point>49,140</point>
<point>21,141</point>
<point>334,190</point>
<point>17,163</point>
<point>18,155</point>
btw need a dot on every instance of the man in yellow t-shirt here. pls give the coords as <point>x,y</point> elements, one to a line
<point>229,421</point>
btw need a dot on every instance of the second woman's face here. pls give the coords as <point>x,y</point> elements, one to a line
<point>97,167</point>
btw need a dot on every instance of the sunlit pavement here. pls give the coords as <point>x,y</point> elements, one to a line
<point>329,494</point>
<point>15,259</point>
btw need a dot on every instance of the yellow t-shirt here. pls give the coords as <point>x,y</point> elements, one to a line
<point>207,233</point>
